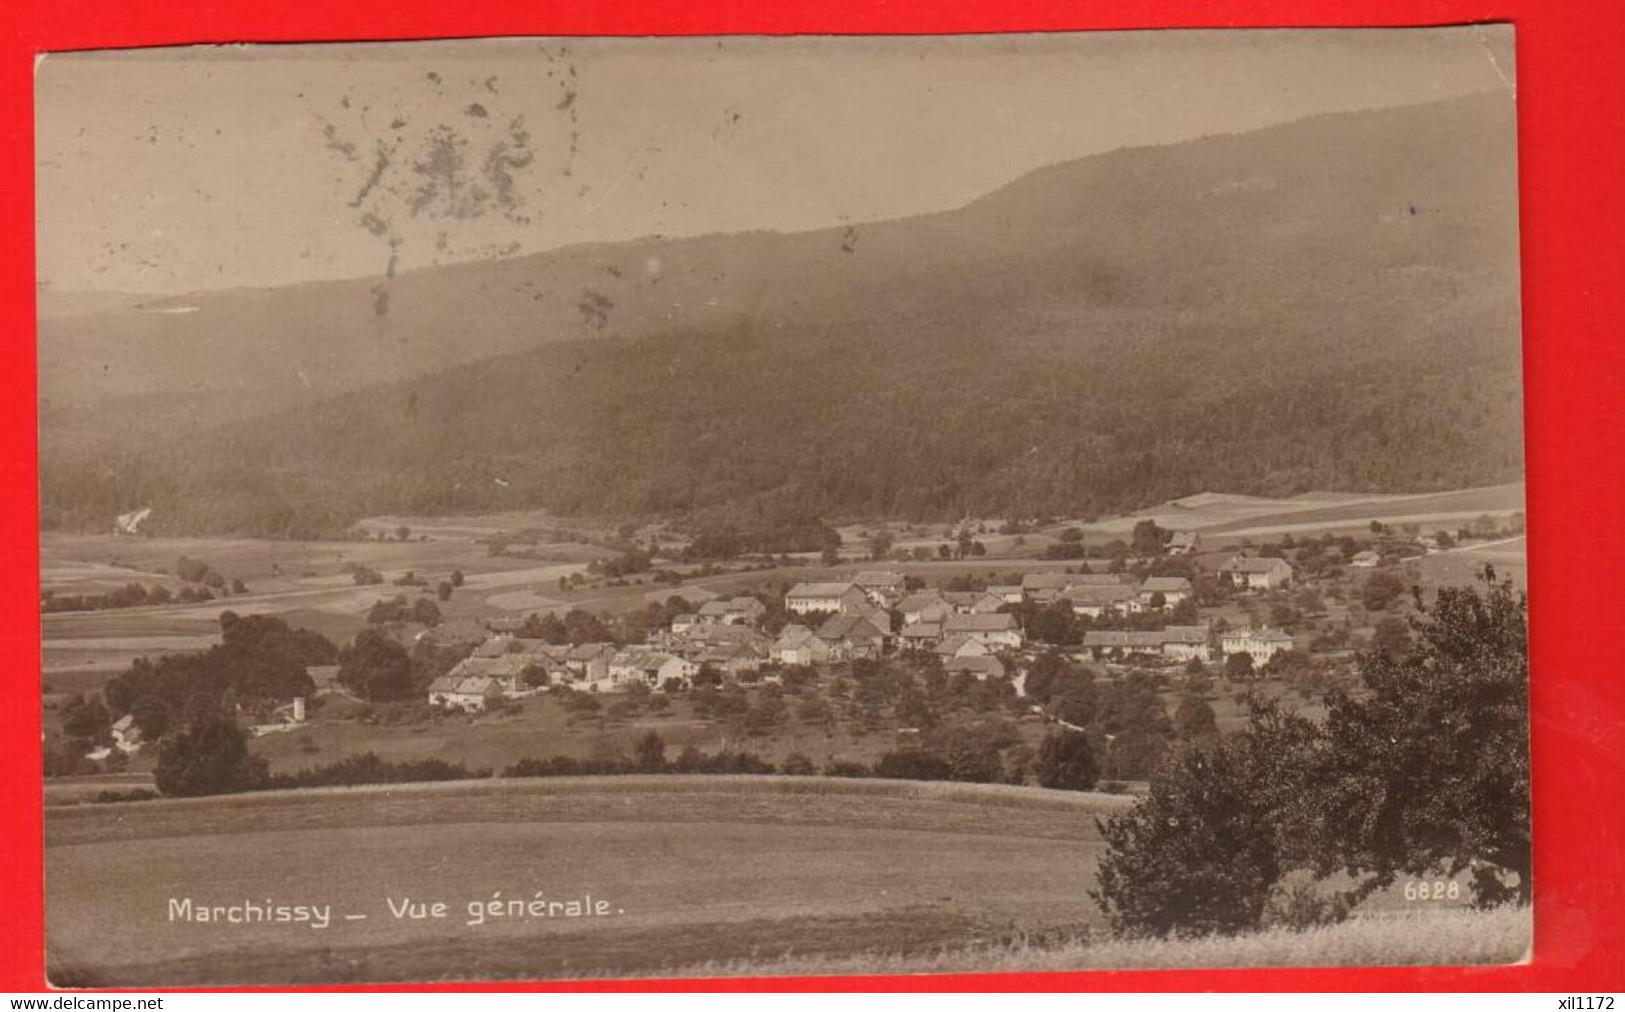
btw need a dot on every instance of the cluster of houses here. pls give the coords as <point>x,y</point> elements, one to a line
<point>835,621</point>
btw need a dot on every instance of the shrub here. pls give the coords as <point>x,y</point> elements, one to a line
<point>1066,761</point>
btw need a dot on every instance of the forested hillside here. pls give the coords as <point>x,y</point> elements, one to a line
<point>1329,304</point>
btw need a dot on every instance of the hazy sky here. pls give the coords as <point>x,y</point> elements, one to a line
<point>170,170</point>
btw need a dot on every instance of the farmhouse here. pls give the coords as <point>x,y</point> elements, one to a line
<point>827,597</point>
<point>470,694</point>
<point>983,668</point>
<point>1262,644</point>
<point>654,667</point>
<point>883,587</point>
<point>683,623</point>
<point>1257,573</point>
<point>1008,593</point>
<point>731,658</point>
<point>743,610</point>
<point>1366,560</point>
<point>852,636</point>
<point>920,635</point>
<point>927,606</point>
<point>1173,589</point>
<point>495,646</point>
<point>987,604</point>
<point>590,661</point>
<point>506,672</point>
<point>126,736</point>
<point>1047,587</point>
<point>799,645</point>
<point>1185,643</point>
<point>326,677</point>
<point>1093,602</point>
<point>960,645</point>
<point>1185,543</point>
<point>1116,643</point>
<point>991,630</point>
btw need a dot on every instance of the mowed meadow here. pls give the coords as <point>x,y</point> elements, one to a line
<point>704,868</point>
<point>728,876</point>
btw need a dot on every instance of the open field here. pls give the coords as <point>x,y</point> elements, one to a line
<point>1458,566</point>
<point>723,876</point>
<point>703,868</point>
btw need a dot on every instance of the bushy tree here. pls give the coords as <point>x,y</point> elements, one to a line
<point>1194,718</point>
<point>1427,770</point>
<point>1066,761</point>
<point>1423,772</point>
<point>1200,854</point>
<point>208,756</point>
<point>375,667</point>
<point>650,752</point>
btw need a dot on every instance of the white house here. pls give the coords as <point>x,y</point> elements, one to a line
<point>998,630</point>
<point>1261,644</point>
<point>457,693</point>
<point>127,737</point>
<point>810,597</point>
<point>1093,602</point>
<point>799,645</point>
<point>1257,573</point>
<point>1008,593</point>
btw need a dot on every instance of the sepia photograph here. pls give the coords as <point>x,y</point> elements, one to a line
<point>550,508</point>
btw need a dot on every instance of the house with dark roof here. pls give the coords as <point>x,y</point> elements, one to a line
<point>1093,602</point>
<point>742,610</point>
<point>799,645</point>
<point>1105,644</point>
<point>982,667</point>
<point>1044,588</point>
<point>1000,630</point>
<point>924,606</point>
<point>1173,589</point>
<point>1255,573</point>
<point>1186,643</point>
<point>920,635</point>
<point>851,637</point>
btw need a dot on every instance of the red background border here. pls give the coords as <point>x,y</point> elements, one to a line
<point>1571,120</point>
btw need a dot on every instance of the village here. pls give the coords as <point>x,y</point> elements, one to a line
<point>902,638</point>
<point>874,614</point>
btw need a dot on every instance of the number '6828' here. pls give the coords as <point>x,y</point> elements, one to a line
<point>1437,890</point>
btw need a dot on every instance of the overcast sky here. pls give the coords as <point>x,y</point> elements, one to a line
<point>171,170</point>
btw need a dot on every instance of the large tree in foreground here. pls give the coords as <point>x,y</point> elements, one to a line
<point>1423,772</point>
<point>1427,771</point>
<point>1201,853</point>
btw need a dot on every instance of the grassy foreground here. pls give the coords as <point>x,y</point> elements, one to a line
<point>709,876</point>
<point>1435,937</point>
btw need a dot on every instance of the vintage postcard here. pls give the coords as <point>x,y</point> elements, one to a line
<point>621,507</point>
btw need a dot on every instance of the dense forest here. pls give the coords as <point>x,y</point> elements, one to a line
<point>1332,304</point>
